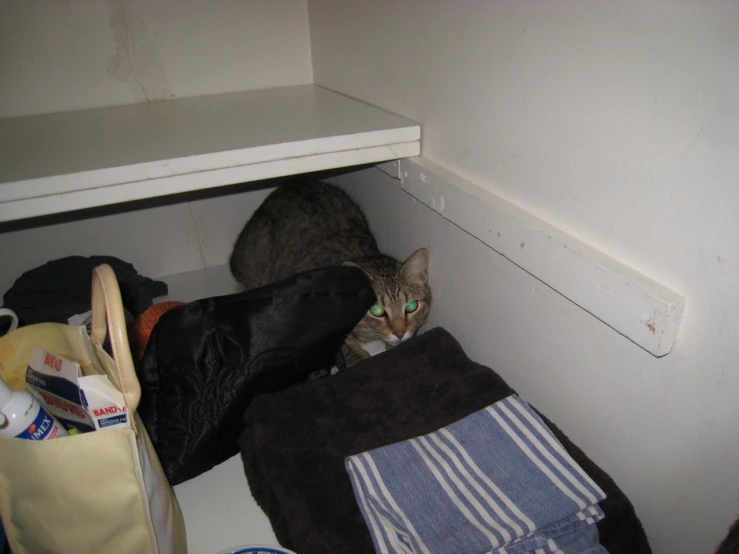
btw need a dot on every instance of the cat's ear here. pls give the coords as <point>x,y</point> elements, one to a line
<point>416,268</point>
<point>352,264</point>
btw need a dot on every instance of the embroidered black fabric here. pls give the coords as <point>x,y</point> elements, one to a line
<point>206,360</point>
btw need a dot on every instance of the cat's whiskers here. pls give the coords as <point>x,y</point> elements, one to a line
<point>392,340</point>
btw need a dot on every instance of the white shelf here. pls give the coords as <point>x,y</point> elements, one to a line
<point>67,161</point>
<point>218,507</point>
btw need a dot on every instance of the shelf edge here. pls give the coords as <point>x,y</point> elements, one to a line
<point>67,201</point>
<point>646,312</point>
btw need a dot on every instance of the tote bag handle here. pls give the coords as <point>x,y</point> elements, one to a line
<point>107,317</point>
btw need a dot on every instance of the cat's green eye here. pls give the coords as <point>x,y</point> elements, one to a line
<point>377,311</point>
<point>412,306</point>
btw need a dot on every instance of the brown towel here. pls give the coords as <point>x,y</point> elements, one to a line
<point>296,440</point>
<point>730,544</point>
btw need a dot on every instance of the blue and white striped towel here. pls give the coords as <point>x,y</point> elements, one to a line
<point>497,481</point>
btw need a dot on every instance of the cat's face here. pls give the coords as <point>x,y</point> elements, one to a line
<point>403,300</point>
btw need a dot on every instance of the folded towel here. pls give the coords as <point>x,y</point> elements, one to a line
<point>296,441</point>
<point>496,481</point>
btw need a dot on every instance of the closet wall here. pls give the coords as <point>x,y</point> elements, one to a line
<point>619,123</point>
<point>161,240</point>
<point>76,54</point>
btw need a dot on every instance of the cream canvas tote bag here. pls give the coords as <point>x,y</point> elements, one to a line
<point>97,492</point>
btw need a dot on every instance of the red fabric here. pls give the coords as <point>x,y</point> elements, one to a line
<point>144,325</point>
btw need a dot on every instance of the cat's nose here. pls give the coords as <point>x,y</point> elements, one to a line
<point>398,326</point>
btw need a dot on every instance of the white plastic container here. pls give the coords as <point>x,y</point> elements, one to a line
<point>23,417</point>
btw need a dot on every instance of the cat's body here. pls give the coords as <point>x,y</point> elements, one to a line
<point>308,225</point>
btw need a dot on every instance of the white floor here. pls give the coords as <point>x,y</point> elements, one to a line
<point>220,512</point>
<point>218,508</point>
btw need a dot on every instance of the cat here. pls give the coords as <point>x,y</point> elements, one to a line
<point>309,225</point>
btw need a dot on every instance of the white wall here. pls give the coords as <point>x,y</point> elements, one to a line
<point>618,122</point>
<point>73,54</point>
<point>159,241</point>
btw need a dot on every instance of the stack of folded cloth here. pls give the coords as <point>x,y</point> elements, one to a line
<point>496,481</point>
<point>466,467</point>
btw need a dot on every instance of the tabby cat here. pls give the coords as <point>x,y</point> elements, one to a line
<point>309,225</point>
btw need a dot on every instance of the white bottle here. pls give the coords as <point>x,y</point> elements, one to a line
<point>22,416</point>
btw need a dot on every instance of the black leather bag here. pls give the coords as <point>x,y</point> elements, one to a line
<point>205,361</point>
